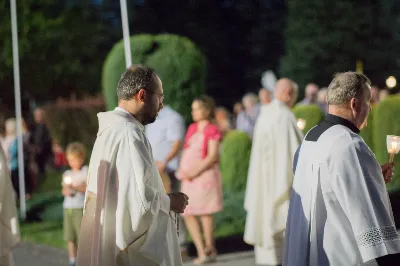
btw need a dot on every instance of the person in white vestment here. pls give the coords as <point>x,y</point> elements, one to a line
<point>128,217</point>
<point>269,181</point>
<point>340,213</point>
<point>9,226</point>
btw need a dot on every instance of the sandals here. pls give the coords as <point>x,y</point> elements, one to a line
<point>211,256</point>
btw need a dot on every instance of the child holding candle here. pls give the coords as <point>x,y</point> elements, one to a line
<point>74,187</point>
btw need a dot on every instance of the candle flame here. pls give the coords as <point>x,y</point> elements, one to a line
<point>301,123</point>
<point>67,180</point>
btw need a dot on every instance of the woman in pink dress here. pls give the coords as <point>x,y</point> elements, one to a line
<point>201,178</point>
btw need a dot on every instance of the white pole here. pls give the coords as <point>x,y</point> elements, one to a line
<point>125,31</point>
<point>17,92</point>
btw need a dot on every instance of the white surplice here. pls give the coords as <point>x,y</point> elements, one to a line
<point>269,182</point>
<point>339,212</point>
<point>127,219</point>
<point>9,226</point>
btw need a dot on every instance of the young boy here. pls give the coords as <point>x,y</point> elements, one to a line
<point>74,187</point>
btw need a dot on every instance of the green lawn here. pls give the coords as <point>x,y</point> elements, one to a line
<point>48,233</point>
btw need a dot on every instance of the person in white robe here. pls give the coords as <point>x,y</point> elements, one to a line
<point>269,181</point>
<point>9,226</point>
<point>128,217</point>
<point>340,213</point>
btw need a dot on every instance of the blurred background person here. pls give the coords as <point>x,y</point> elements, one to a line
<point>9,226</point>
<point>321,99</point>
<point>41,141</point>
<point>264,96</point>
<point>311,93</point>
<point>247,118</point>
<point>201,178</point>
<point>10,133</point>
<point>73,190</point>
<point>166,137</point>
<point>237,108</point>
<point>223,120</point>
<point>374,95</point>
<point>14,166</point>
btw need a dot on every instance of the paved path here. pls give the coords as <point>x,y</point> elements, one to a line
<point>28,254</point>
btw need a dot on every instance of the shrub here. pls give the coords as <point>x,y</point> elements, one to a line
<point>312,114</point>
<point>67,125</point>
<point>179,63</point>
<point>367,133</point>
<point>387,122</point>
<point>234,160</point>
<point>232,219</point>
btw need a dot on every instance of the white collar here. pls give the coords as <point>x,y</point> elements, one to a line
<point>134,118</point>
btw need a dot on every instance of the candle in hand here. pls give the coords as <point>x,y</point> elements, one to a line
<point>301,123</point>
<point>67,180</point>
<point>392,143</point>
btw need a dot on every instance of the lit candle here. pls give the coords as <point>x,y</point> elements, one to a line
<point>392,143</point>
<point>301,123</point>
<point>67,180</point>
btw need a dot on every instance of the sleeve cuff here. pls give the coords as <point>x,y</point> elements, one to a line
<point>165,203</point>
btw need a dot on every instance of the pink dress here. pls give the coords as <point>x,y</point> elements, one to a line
<point>204,191</point>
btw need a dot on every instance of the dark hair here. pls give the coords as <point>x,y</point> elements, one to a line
<point>209,104</point>
<point>132,80</point>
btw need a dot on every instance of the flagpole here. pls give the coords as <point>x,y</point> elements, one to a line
<point>125,31</point>
<point>18,112</point>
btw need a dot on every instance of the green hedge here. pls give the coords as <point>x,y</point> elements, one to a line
<point>367,133</point>
<point>234,160</point>
<point>312,114</point>
<point>387,122</point>
<point>179,63</point>
<point>68,125</point>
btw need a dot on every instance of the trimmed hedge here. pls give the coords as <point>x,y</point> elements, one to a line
<point>387,122</point>
<point>312,114</point>
<point>67,125</point>
<point>234,160</point>
<point>179,63</point>
<point>367,133</point>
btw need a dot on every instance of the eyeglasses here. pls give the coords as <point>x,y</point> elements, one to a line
<point>160,96</point>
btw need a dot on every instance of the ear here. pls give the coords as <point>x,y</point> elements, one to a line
<point>353,103</point>
<point>141,95</point>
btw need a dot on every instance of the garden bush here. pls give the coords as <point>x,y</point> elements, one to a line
<point>312,114</point>
<point>367,133</point>
<point>234,160</point>
<point>387,122</point>
<point>68,125</point>
<point>179,63</point>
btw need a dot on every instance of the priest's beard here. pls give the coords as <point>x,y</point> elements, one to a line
<point>149,116</point>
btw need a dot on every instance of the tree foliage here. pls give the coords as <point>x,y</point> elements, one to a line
<point>323,37</point>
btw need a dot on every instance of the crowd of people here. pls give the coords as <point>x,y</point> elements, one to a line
<point>151,181</point>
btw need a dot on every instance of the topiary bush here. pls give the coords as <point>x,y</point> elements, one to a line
<point>312,114</point>
<point>234,160</point>
<point>179,63</point>
<point>387,122</point>
<point>367,133</point>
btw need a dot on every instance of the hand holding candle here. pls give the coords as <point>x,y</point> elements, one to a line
<point>67,181</point>
<point>393,146</point>
<point>301,123</point>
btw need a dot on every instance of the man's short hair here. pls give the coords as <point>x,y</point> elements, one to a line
<point>132,80</point>
<point>345,86</point>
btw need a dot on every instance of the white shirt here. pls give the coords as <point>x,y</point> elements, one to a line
<point>77,201</point>
<point>168,128</point>
<point>339,211</point>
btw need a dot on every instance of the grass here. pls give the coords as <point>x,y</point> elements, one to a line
<point>46,232</point>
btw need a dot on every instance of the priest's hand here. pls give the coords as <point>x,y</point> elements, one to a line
<point>388,171</point>
<point>179,201</point>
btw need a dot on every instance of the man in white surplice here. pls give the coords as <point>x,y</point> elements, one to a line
<point>340,212</point>
<point>9,226</point>
<point>128,218</point>
<point>269,181</point>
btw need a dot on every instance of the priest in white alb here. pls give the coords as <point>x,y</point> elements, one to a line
<point>9,226</point>
<point>269,180</point>
<point>340,213</point>
<point>128,217</point>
